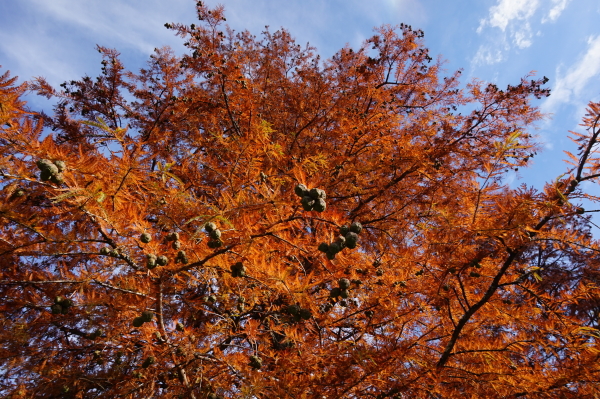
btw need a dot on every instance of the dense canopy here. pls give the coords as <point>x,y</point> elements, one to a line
<point>250,221</point>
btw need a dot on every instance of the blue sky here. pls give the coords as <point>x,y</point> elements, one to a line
<point>494,40</point>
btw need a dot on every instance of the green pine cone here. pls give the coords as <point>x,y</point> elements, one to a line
<point>162,260</point>
<point>138,322</point>
<point>145,238</point>
<point>151,261</point>
<point>317,193</point>
<point>147,316</point>
<point>356,227</point>
<point>60,165</point>
<point>215,244</point>
<point>210,226</point>
<point>301,190</point>
<point>46,165</point>
<point>320,205</point>
<point>57,179</point>
<point>45,175</point>
<point>173,236</point>
<point>344,230</point>
<point>305,314</point>
<point>293,310</point>
<point>344,283</point>
<point>307,203</point>
<point>351,240</point>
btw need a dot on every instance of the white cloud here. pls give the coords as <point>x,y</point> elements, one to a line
<point>488,55</point>
<point>512,18</point>
<point>507,10</point>
<point>522,37</point>
<point>554,13</point>
<point>571,87</point>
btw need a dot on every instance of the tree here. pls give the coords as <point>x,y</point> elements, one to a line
<point>249,221</point>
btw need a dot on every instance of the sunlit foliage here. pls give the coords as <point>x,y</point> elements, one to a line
<point>250,221</point>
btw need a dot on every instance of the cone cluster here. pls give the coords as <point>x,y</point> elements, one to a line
<point>174,237</point>
<point>348,238</point>
<point>114,253</point>
<point>215,235</point>
<point>238,270</point>
<point>61,305</point>
<point>152,261</point>
<point>281,341</point>
<point>181,257</point>
<point>96,334</point>
<point>313,199</point>
<point>341,290</point>
<point>51,170</point>
<point>299,313</point>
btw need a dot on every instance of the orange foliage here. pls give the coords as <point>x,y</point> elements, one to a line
<point>153,243</point>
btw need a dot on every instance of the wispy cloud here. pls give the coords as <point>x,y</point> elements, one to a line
<point>488,54</point>
<point>556,10</point>
<point>508,10</point>
<point>514,19</point>
<point>571,87</point>
<point>522,36</point>
<point>56,39</point>
<point>327,25</point>
<point>112,21</point>
<point>37,58</point>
